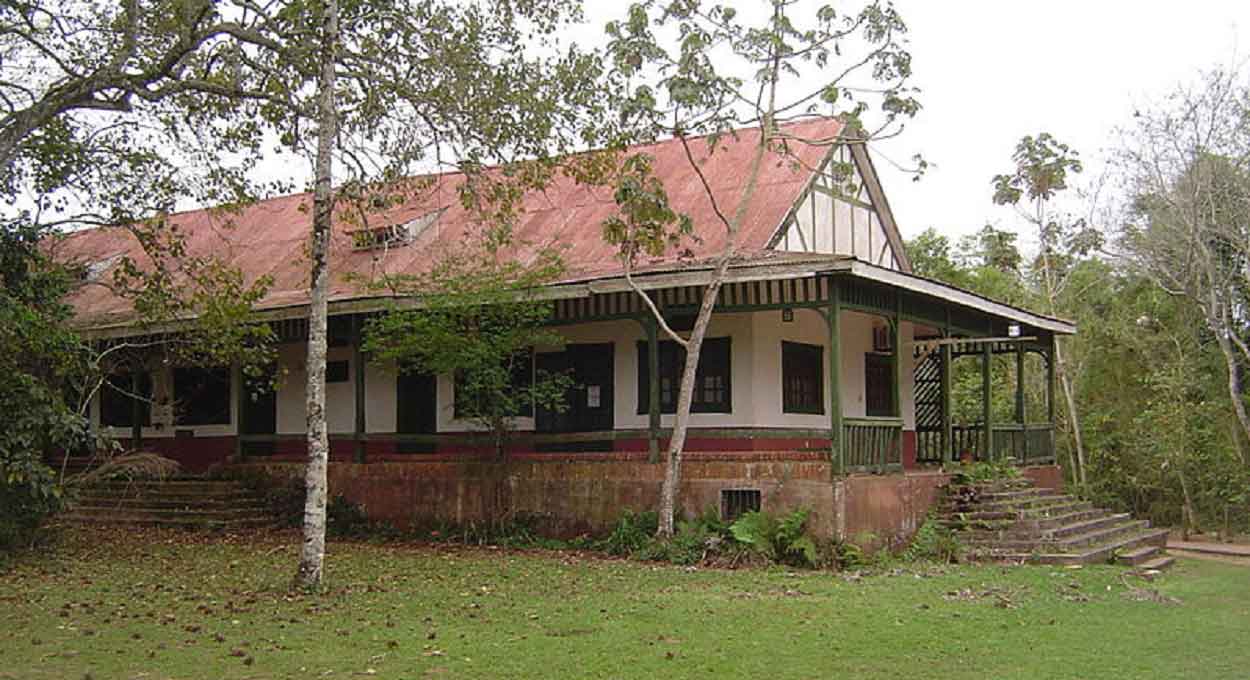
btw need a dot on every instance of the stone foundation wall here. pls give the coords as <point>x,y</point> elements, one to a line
<point>573,494</point>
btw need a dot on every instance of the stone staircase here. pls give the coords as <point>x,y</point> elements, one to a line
<point>1014,521</point>
<point>191,503</point>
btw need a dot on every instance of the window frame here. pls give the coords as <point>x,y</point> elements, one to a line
<point>672,361</point>
<point>793,353</point>
<point>180,418</point>
<point>109,392</point>
<point>524,368</point>
<point>891,409</point>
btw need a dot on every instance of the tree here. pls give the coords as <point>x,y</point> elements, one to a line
<point>1186,164</point>
<point>393,89</point>
<point>1041,173</point>
<point>697,68</point>
<point>478,320</point>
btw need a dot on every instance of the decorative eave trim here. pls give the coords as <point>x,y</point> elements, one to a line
<point>959,296</point>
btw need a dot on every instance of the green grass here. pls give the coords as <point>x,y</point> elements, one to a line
<point>121,604</point>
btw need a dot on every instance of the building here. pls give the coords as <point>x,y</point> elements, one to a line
<point>824,382</point>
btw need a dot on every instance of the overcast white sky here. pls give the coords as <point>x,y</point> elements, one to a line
<point>994,70</point>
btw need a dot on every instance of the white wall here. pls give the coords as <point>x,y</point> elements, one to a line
<point>162,421</point>
<point>755,364</point>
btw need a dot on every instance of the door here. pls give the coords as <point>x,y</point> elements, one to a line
<point>260,410</point>
<point>589,401</point>
<point>416,403</point>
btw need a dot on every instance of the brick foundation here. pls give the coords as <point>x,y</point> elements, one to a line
<point>572,494</point>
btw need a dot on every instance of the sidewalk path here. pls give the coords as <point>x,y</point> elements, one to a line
<point>1229,549</point>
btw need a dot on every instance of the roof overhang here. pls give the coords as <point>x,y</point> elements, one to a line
<point>677,276</point>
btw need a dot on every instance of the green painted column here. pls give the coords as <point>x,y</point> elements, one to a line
<point>240,405</point>
<point>653,387</point>
<point>948,431</point>
<point>987,411</point>
<point>1050,380</point>
<point>136,407</point>
<point>358,368</point>
<point>834,317</point>
<point>1020,413</point>
<point>900,366</point>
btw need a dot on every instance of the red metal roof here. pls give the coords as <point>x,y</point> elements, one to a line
<point>269,237</point>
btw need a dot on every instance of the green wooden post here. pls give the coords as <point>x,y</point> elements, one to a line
<point>1020,414</point>
<point>358,365</point>
<point>136,407</point>
<point>1050,381</point>
<point>653,387</point>
<point>899,364</point>
<point>900,368</point>
<point>948,434</point>
<point>240,404</point>
<point>834,317</point>
<point>987,415</point>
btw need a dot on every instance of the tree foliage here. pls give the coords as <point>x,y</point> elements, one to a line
<point>478,319</point>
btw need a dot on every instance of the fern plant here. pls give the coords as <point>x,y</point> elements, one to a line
<point>781,540</point>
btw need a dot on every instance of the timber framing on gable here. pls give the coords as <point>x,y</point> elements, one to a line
<point>830,219</point>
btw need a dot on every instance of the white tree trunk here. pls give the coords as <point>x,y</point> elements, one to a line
<point>312,554</point>
<point>677,442</point>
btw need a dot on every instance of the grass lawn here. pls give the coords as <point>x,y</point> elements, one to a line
<point>148,604</point>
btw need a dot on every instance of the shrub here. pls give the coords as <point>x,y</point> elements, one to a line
<point>933,543</point>
<point>693,542</point>
<point>345,517</point>
<point>781,540</point>
<point>633,531</point>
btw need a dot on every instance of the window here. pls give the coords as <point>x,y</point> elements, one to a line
<point>337,371</point>
<point>712,389</point>
<point>878,385</point>
<point>522,380</point>
<point>802,378</point>
<point>201,396</point>
<point>117,405</point>
<point>735,503</point>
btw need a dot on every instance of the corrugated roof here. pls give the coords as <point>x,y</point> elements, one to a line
<point>269,237</point>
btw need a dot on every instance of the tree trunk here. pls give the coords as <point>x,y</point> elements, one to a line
<point>1078,439</point>
<point>1061,366</point>
<point>677,442</point>
<point>312,555</point>
<point>1234,385</point>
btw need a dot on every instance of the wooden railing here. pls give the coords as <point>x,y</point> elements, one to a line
<point>1031,444</point>
<point>872,444</point>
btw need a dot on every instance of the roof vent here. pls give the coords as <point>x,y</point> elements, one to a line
<point>393,235</point>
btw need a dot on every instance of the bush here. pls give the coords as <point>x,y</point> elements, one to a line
<point>24,503</point>
<point>345,517</point>
<point>633,531</point>
<point>782,540</point>
<point>693,542</point>
<point>933,543</point>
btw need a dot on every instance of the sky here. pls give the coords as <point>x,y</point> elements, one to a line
<point>992,71</point>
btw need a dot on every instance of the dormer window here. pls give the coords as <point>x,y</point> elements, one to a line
<point>393,235</point>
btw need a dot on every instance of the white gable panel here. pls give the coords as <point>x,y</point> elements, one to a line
<point>843,232</point>
<point>837,215</point>
<point>822,205</point>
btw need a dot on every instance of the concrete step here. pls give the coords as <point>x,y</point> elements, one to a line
<point>205,500</point>
<point>1138,556</point>
<point>1035,505</point>
<point>1157,564</point>
<point>228,513</point>
<point>172,486</point>
<point>1104,534</point>
<point>1026,541</point>
<point>1100,554</point>
<point>1068,530</point>
<point>1042,523</point>
<point>186,521</point>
